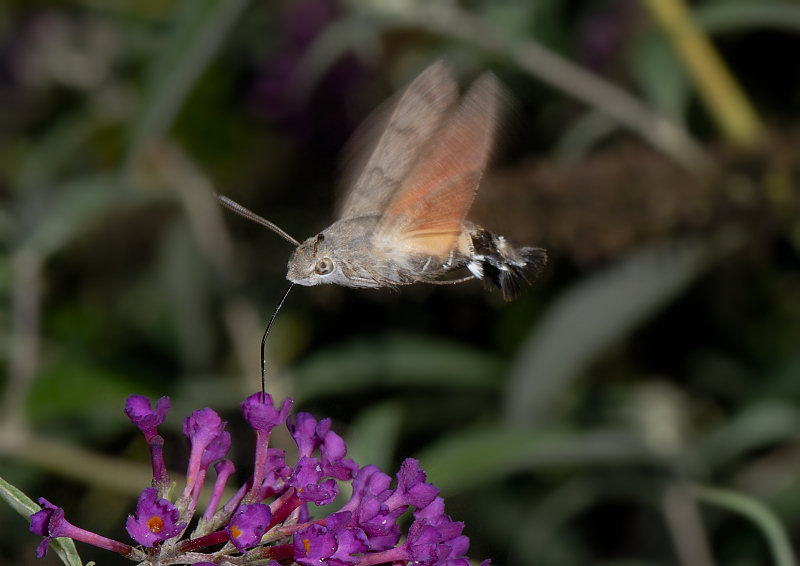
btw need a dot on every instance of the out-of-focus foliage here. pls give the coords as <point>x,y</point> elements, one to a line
<point>640,404</point>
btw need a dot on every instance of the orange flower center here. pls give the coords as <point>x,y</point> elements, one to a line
<point>155,524</point>
<point>307,545</point>
<point>236,532</point>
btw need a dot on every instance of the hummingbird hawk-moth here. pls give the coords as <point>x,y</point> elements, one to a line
<point>403,220</point>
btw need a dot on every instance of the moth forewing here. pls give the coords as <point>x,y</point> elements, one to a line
<point>415,118</point>
<point>427,211</point>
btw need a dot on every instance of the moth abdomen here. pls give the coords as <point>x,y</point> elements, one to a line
<point>507,266</point>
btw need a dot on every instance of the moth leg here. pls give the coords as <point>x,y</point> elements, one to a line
<point>452,281</point>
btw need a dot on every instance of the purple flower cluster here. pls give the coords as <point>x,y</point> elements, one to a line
<point>267,520</point>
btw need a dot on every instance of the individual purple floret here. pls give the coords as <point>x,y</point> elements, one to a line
<point>155,520</point>
<point>261,414</point>
<point>141,414</point>
<point>308,481</point>
<point>248,525</point>
<point>411,487</point>
<point>147,419</point>
<point>50,523</point>
<point>310,435</point>
<point>314,545</point>
<point>271,519</point>
<point>224,469</point>
<point>208,442</point>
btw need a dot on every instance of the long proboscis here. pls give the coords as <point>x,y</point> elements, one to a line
<point>264,345</point>
<point>250,215</point>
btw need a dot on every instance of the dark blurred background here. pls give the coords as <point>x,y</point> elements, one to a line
<point>637,405</point>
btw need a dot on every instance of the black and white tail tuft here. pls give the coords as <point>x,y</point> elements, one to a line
<point>498,261</point>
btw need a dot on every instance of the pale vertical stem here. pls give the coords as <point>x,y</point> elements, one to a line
<point>717,87</point>
<point>24,340</point>
<point>686,526</point>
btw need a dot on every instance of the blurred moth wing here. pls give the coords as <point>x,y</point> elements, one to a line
<point>414,120</point>
<point>426,213</point>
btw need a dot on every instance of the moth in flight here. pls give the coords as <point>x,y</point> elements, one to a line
<point>403,220</point>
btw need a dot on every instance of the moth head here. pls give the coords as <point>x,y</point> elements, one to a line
<point>313,263</point>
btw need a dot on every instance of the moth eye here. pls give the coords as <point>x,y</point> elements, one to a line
<point>323,266</point>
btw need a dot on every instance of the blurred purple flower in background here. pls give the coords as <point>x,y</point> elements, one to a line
<point>321,113</point>
<point>604,34</point>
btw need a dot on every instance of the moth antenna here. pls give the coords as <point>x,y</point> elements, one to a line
<point>264,344</point>
<point>252,216</point>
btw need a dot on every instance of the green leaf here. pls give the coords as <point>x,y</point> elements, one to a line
<point>761,516</point>
<point>590,316</point>
<point>54,149</point>
<point>77,206</point>
<point>756,427</point>
<point>661,75</point>
<point>463,461</point>
<point>373,434</point>
<point>74,205</point>
<point>76,386</point>
<point>199,30</point>
<point>17,500</point>
<point>583,134</point>
<point>395,360</point>
<point>737,15</point>
<point>25,506</point>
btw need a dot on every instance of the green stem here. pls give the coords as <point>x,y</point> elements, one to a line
<point>720,92</point>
